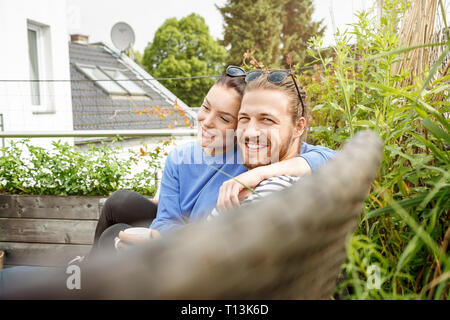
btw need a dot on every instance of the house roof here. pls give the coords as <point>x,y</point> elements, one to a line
<point>94,108</point>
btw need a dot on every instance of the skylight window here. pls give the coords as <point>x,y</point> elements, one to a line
<point>124,81</point>
<point>102,80</point>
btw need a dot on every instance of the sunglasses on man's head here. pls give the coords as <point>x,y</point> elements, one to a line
<point>274,77</point>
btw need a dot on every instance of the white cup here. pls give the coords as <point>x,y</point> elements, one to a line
<point>140,232</point>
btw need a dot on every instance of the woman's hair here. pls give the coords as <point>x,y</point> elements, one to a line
<point>236,83</point>
<point>288,87</point>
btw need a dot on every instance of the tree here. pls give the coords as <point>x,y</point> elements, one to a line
<point>273,28</point>
<point>184,48</point>
<point>252,25</point>
<point>298,27</point>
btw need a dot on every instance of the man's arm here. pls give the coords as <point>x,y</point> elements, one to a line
<point>316,156</point>
<point>310,159</point>
<point>233,191</point>
<point>297,167</point>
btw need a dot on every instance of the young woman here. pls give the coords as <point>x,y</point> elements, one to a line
<point>195,172</point>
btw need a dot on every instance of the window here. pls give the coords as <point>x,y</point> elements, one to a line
<point>129,85</point>
<point>40,67</point>
<point>102,80</point>
<point>33,53</point>
<point>2,129</point>
<point>113,81</point>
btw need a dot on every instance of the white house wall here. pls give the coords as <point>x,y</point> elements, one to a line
<point>15,97</point>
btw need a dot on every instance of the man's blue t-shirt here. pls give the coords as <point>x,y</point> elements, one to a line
<point>191,181</point>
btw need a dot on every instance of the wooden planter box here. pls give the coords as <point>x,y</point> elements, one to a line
<point>47,230</point>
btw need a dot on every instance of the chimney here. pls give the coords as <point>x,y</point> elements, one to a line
<point>79,38</point>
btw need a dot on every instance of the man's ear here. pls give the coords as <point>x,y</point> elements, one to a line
<point>300,125</point>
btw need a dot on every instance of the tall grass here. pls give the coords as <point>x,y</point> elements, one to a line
<point>400,249</point>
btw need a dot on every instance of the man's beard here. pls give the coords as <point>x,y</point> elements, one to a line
<point>282,152</point>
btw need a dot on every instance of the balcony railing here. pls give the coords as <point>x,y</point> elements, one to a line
<point>100,133</point>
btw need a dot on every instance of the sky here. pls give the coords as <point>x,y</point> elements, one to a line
<point>95,18</point>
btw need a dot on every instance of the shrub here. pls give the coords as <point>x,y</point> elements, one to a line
<point>68,170</point>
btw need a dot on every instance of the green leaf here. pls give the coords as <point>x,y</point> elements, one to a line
<point>421,112</point>
<point>435,67</point>
<point>435,130</point>
<point>365,123</point>
<point>424,236</point>
<point>438,153</point>
<point>396,52</point>
<point>413,246</point>
<point>318,107</point>
<point>406,203</point>
<point>337,107</point>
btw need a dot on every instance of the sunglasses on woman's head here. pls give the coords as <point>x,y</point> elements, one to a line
<point>235,71</point>
<point>274,77</point>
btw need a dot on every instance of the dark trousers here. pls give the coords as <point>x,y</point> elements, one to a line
<point>123,209</point>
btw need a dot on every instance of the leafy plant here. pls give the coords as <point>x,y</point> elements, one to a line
<point>405,228</point>
<point>68,170</point>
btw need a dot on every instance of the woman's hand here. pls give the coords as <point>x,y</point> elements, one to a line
<point>232,192</point>
<point>130,240</point>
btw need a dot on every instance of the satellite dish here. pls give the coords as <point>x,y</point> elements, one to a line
<point>122,36</point>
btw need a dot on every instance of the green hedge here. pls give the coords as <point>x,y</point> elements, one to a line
<point>68,170</point>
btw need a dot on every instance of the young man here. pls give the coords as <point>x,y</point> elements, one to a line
<point>271,124</point>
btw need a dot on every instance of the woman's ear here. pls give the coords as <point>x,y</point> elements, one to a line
<point>300,125</point>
